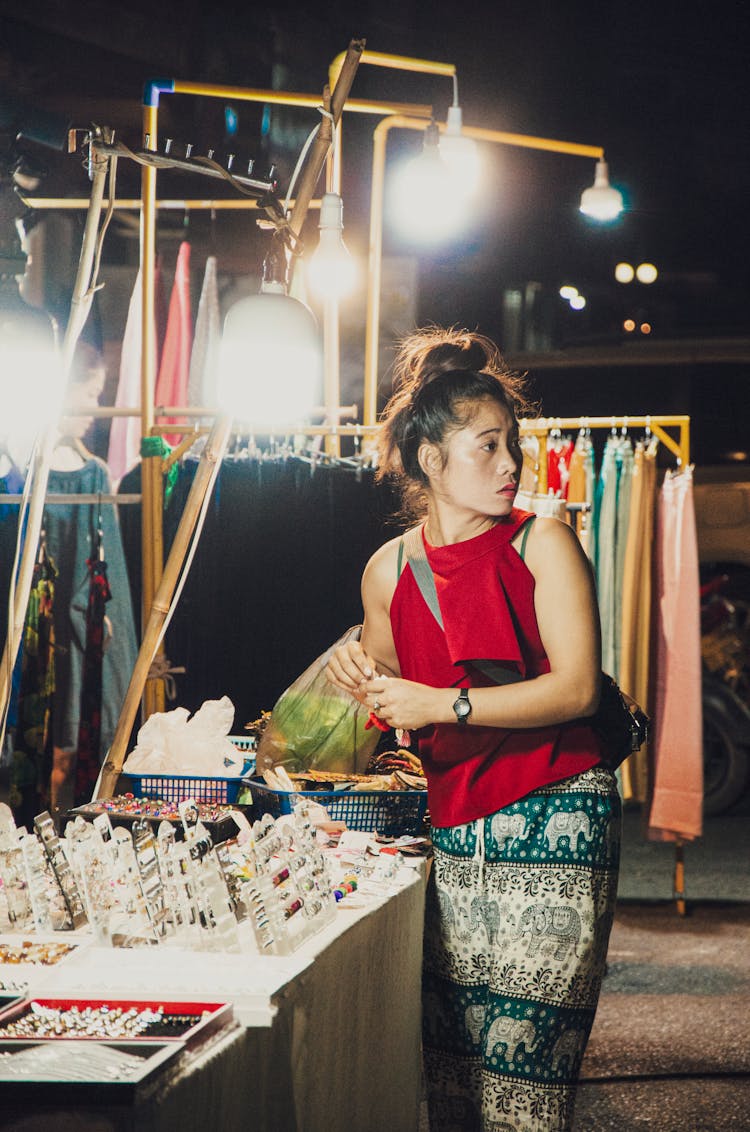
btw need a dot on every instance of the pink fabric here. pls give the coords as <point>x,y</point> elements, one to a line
<point>174,371</point>
<point>125,432</point>
<point>205,353</point>
<point>677,787</point>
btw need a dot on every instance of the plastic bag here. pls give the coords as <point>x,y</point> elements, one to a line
<point>316,726</point>
<point>173,743</point>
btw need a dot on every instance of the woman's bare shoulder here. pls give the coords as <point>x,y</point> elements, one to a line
<point>381,572</point>
<point>549,540</point>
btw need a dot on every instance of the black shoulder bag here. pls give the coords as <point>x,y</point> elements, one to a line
<point>621,725</point>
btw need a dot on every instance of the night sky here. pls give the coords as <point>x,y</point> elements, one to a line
<point>662,87</point>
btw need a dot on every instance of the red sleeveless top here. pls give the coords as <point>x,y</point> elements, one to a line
<point>486,595</point>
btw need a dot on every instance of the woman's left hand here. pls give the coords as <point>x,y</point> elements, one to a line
<point>402,703</point>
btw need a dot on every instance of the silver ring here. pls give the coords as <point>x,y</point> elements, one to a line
<point>377,706</point>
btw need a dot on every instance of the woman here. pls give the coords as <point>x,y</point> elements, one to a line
<point>525,819</point>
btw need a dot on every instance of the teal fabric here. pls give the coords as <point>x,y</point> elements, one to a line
<point>612,513</point>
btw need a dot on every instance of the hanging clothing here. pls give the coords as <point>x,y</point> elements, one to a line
<point>637,607</point>
<point>204,357</point>
<point>559,453</point>
<point>172,380</point>
<point>676,807</point>
<point>581,481</point>
<point>32,748</point>
<point>612,508</point>
<point>71,533</point>
<point>518,914</point>
<point>90,727</point>
<point>529,477</point>
<point>548,506</point>
<point>125,432</point>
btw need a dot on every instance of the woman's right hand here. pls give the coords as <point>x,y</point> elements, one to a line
<point>349,668</point>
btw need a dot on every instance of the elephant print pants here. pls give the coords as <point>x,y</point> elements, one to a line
<point>519,911</point>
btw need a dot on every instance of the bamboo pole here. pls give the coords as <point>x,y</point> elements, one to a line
<point>333,105</point>
<point>210,457</point>
<point>322,143</point>
<point>151,486</point>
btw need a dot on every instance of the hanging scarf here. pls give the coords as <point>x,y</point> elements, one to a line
<point>89,730</point>
<point>30,770</point>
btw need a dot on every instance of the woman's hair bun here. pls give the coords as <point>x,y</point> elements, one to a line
<point>434,350</point>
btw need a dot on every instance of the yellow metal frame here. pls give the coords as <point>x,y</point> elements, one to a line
<point>151,480</point>
<point>542,426</point>
<point>375,257</point>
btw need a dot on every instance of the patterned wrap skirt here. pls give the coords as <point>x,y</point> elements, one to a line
<point>519,911</point>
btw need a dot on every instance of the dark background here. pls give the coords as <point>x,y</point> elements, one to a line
<point>662,87</point>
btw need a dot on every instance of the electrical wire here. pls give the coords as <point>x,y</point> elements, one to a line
<point>303,153</point>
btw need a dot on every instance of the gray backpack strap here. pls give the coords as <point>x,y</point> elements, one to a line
<point>423,576</point>
<point>422,571</point>
<point>527,527</point>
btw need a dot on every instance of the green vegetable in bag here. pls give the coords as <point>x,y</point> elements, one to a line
<point>316,726</point>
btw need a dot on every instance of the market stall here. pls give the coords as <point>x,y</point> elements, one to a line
<point>286,1050</point>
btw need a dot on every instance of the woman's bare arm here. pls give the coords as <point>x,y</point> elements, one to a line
<point>375,653</point>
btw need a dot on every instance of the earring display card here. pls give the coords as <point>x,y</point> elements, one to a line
<point>208,883</point>
<point>152,887</point>
<point>15,902</point>
<point>45,829</point>
<point>92,1020</point>
<point>290,897</point>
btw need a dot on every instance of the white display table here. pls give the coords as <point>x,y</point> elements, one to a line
<point>325,1040</point>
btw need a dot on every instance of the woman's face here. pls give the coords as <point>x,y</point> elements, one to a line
<point>482,461</point>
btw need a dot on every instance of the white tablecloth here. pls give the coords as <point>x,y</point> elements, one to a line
<point>326,1040</point>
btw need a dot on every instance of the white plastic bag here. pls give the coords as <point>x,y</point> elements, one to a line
<point>172,743</point>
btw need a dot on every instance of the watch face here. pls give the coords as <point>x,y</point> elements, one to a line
<point>462,708</point>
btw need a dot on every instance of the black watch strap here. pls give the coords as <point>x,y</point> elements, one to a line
<point>462,707</point>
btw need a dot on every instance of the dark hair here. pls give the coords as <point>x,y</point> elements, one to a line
<point>438,376</point>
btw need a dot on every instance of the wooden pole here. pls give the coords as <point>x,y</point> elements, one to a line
<point>211,456</point>
<point>322,143</point>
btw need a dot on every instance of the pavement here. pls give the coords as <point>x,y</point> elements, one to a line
<point>670,1046</point>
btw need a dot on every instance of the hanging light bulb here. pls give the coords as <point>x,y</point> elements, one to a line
<point>458,152</point>
<point>31,365</point>
<point>331,270</point>
<point>428,202</point>
<point>270,359</point>
<point>601,201</point>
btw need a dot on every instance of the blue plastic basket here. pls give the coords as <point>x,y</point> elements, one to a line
<point>178,787</point>
<point>391,813</point>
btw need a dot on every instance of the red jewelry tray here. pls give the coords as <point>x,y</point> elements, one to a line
<point>213,1016</point>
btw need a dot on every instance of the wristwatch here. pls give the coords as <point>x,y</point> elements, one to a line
<point>462,707</point>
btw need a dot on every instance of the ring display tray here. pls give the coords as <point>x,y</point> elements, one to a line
<point>217,819</point>
<point>52,1019</point>
<point>38,1073</point>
